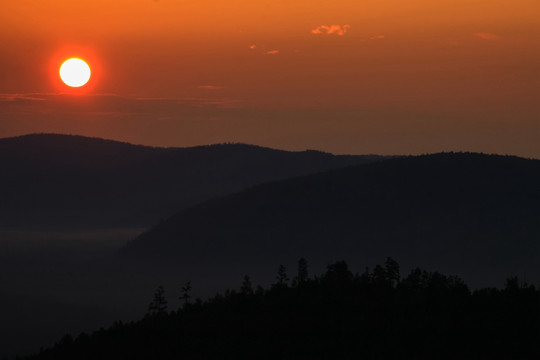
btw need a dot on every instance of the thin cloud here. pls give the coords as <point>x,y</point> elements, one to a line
<point>377,37</point>
<point>210,87</point>
<point>331,30</point>
<point>272,52</point>
<point>103,104</point>
<point>486,36</point>
<point>16,97</point>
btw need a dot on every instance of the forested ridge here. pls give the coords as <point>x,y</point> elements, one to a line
<point>474,215</point>
<point>67,181</point>
<point>377,314</point>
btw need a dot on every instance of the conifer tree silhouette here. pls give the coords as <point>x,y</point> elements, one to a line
<point>380,276</point>
<point>281,276</point>
<point>158,306</point>
<point>392,271</point>
<point>339,273</point>
<point>246,287</point>
<point>186,289</point>
<point>302,274</point>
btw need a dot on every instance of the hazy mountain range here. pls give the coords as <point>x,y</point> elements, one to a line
<point>223,211</point>
<point>60,181</point>
<point>474,215</point>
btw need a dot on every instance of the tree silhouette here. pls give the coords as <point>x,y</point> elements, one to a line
<point>246,287</point>
<point>158,306</point>
<point>392,271</point>
<point>338,274</point>
<point>380,276</point>
<point>281,276</point>
<point>186,289</point>
<point>302,274</point>
<point>512,284</point>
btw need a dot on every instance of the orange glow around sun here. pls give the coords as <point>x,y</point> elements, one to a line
<point>75,69</point>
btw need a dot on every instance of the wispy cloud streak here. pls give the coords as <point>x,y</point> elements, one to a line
<point>486,36</point>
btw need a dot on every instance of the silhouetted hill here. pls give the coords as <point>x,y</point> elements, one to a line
<point>339,315</point>
<point>471,214</point>
<point>68,181</point>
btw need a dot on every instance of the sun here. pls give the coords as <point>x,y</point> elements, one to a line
<point>75,72</point>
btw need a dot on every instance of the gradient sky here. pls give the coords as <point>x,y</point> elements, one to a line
<point>345,76</point>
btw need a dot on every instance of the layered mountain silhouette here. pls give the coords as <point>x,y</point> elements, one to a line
<point>67,202</point>
<point>232,210</point>
<point>474,215</point>
<point>69,181</point>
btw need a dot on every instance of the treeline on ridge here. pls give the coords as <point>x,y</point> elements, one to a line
<point>338,315</point>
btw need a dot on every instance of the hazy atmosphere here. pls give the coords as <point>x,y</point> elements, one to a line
<point>269,179</point>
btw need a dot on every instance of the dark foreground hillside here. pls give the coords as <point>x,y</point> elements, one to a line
<point>339,315</point>
<point>474,215</point>
<point>63,181</point>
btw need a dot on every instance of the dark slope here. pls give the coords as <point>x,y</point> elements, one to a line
<point>337,315</point>
<point>474,215</point>
<point>62,180</point>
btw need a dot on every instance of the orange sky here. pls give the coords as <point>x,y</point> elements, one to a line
<point>346,76</point>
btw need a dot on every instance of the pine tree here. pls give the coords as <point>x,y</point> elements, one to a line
<point>246,287</point>
<point>186,289</point>
<point>158,306</point>
<point>281,277</point>
<point>392,271</point>
<point>302,271</point>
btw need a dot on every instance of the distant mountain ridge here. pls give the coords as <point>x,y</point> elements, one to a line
<point>68,181</point>
<point>471,214</point>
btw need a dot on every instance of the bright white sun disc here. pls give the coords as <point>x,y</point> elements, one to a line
<point>75,72</point>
